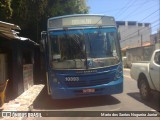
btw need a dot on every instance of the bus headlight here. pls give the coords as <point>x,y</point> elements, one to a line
<point>55,80</point>
<point>119,72</point>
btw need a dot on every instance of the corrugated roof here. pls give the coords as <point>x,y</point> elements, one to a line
<point>8,30</point>
<point>147,44</point>
<point>27,39</point>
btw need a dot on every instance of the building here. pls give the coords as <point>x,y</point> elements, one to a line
<point>133,34</point>
<point>19,60</point>
<point>155,38</point>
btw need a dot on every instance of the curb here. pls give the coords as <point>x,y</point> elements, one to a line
<point>25,100</point>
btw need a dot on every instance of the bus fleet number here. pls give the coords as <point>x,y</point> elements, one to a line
<point>72,78</point>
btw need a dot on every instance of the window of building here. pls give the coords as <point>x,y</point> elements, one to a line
<point>140,24</point>
<point>132,23</point>
<point>146,24</point>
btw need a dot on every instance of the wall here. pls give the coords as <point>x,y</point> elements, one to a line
<point>3,68</point>
<point>18,53</point>
<point>139,54</point>
<point>133,34</point>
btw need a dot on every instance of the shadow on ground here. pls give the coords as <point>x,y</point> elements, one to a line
<point>44,101</point>
<point>154,102</point>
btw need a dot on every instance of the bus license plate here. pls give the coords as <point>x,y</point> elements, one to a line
<point>90,90</point>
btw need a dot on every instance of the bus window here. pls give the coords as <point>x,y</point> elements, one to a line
<point>55,47</point>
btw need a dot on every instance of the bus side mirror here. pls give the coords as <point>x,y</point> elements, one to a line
<point>43,35</point>
<point>43,40</point>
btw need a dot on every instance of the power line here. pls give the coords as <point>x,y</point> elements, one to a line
<point>150,15</point>
<point>131,13</point>
<point>123,7</point>
<point>144,28</point>
<point>139,30</point>
<point>136,32</point>
<point>155,21</point>
<point>141,21</point>
<point>145,18</point>
<point>131,3</point>
<point>127,38</point>
<point>112,10</point>
<point>119,9</point>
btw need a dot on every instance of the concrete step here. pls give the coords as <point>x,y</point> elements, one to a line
<point>25,100</point>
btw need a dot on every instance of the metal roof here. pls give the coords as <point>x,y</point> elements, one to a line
<point>8,30</point>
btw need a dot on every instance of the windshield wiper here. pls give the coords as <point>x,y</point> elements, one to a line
<point>91,41</point>
<point>76,44</point>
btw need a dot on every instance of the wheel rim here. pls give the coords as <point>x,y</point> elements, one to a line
<point>144,90</point>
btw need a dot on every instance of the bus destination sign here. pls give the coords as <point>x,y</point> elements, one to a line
<point>80,21</point>
<point>76,21</point>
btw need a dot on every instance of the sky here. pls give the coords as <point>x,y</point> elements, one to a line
<point>143,11</point>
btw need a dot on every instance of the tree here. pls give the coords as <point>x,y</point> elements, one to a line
<point>27,14</point>
<point>66,7</point>
<point>32,15</point>
<point>5,10</point>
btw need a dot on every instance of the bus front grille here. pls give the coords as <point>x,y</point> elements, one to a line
<point>85,83</point>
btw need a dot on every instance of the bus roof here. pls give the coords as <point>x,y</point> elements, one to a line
<point>76,15</point>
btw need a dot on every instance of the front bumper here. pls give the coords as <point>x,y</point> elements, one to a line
<point>113,87</point>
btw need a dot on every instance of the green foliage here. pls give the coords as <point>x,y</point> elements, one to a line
<point>28,15</point>
<point>5,10</point>
<point>28,11</point>
<point>32,15</point>
<point>66,7</point>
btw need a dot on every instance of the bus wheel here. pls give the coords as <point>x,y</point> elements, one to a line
<point>145,91</point>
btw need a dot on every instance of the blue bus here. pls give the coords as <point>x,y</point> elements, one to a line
<point>83,56</point>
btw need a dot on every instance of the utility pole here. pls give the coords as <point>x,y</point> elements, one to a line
<point>141,40</point>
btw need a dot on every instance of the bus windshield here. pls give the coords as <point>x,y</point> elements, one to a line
<point>83,48</point>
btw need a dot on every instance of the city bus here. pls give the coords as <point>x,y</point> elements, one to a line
<point>83,58</point>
